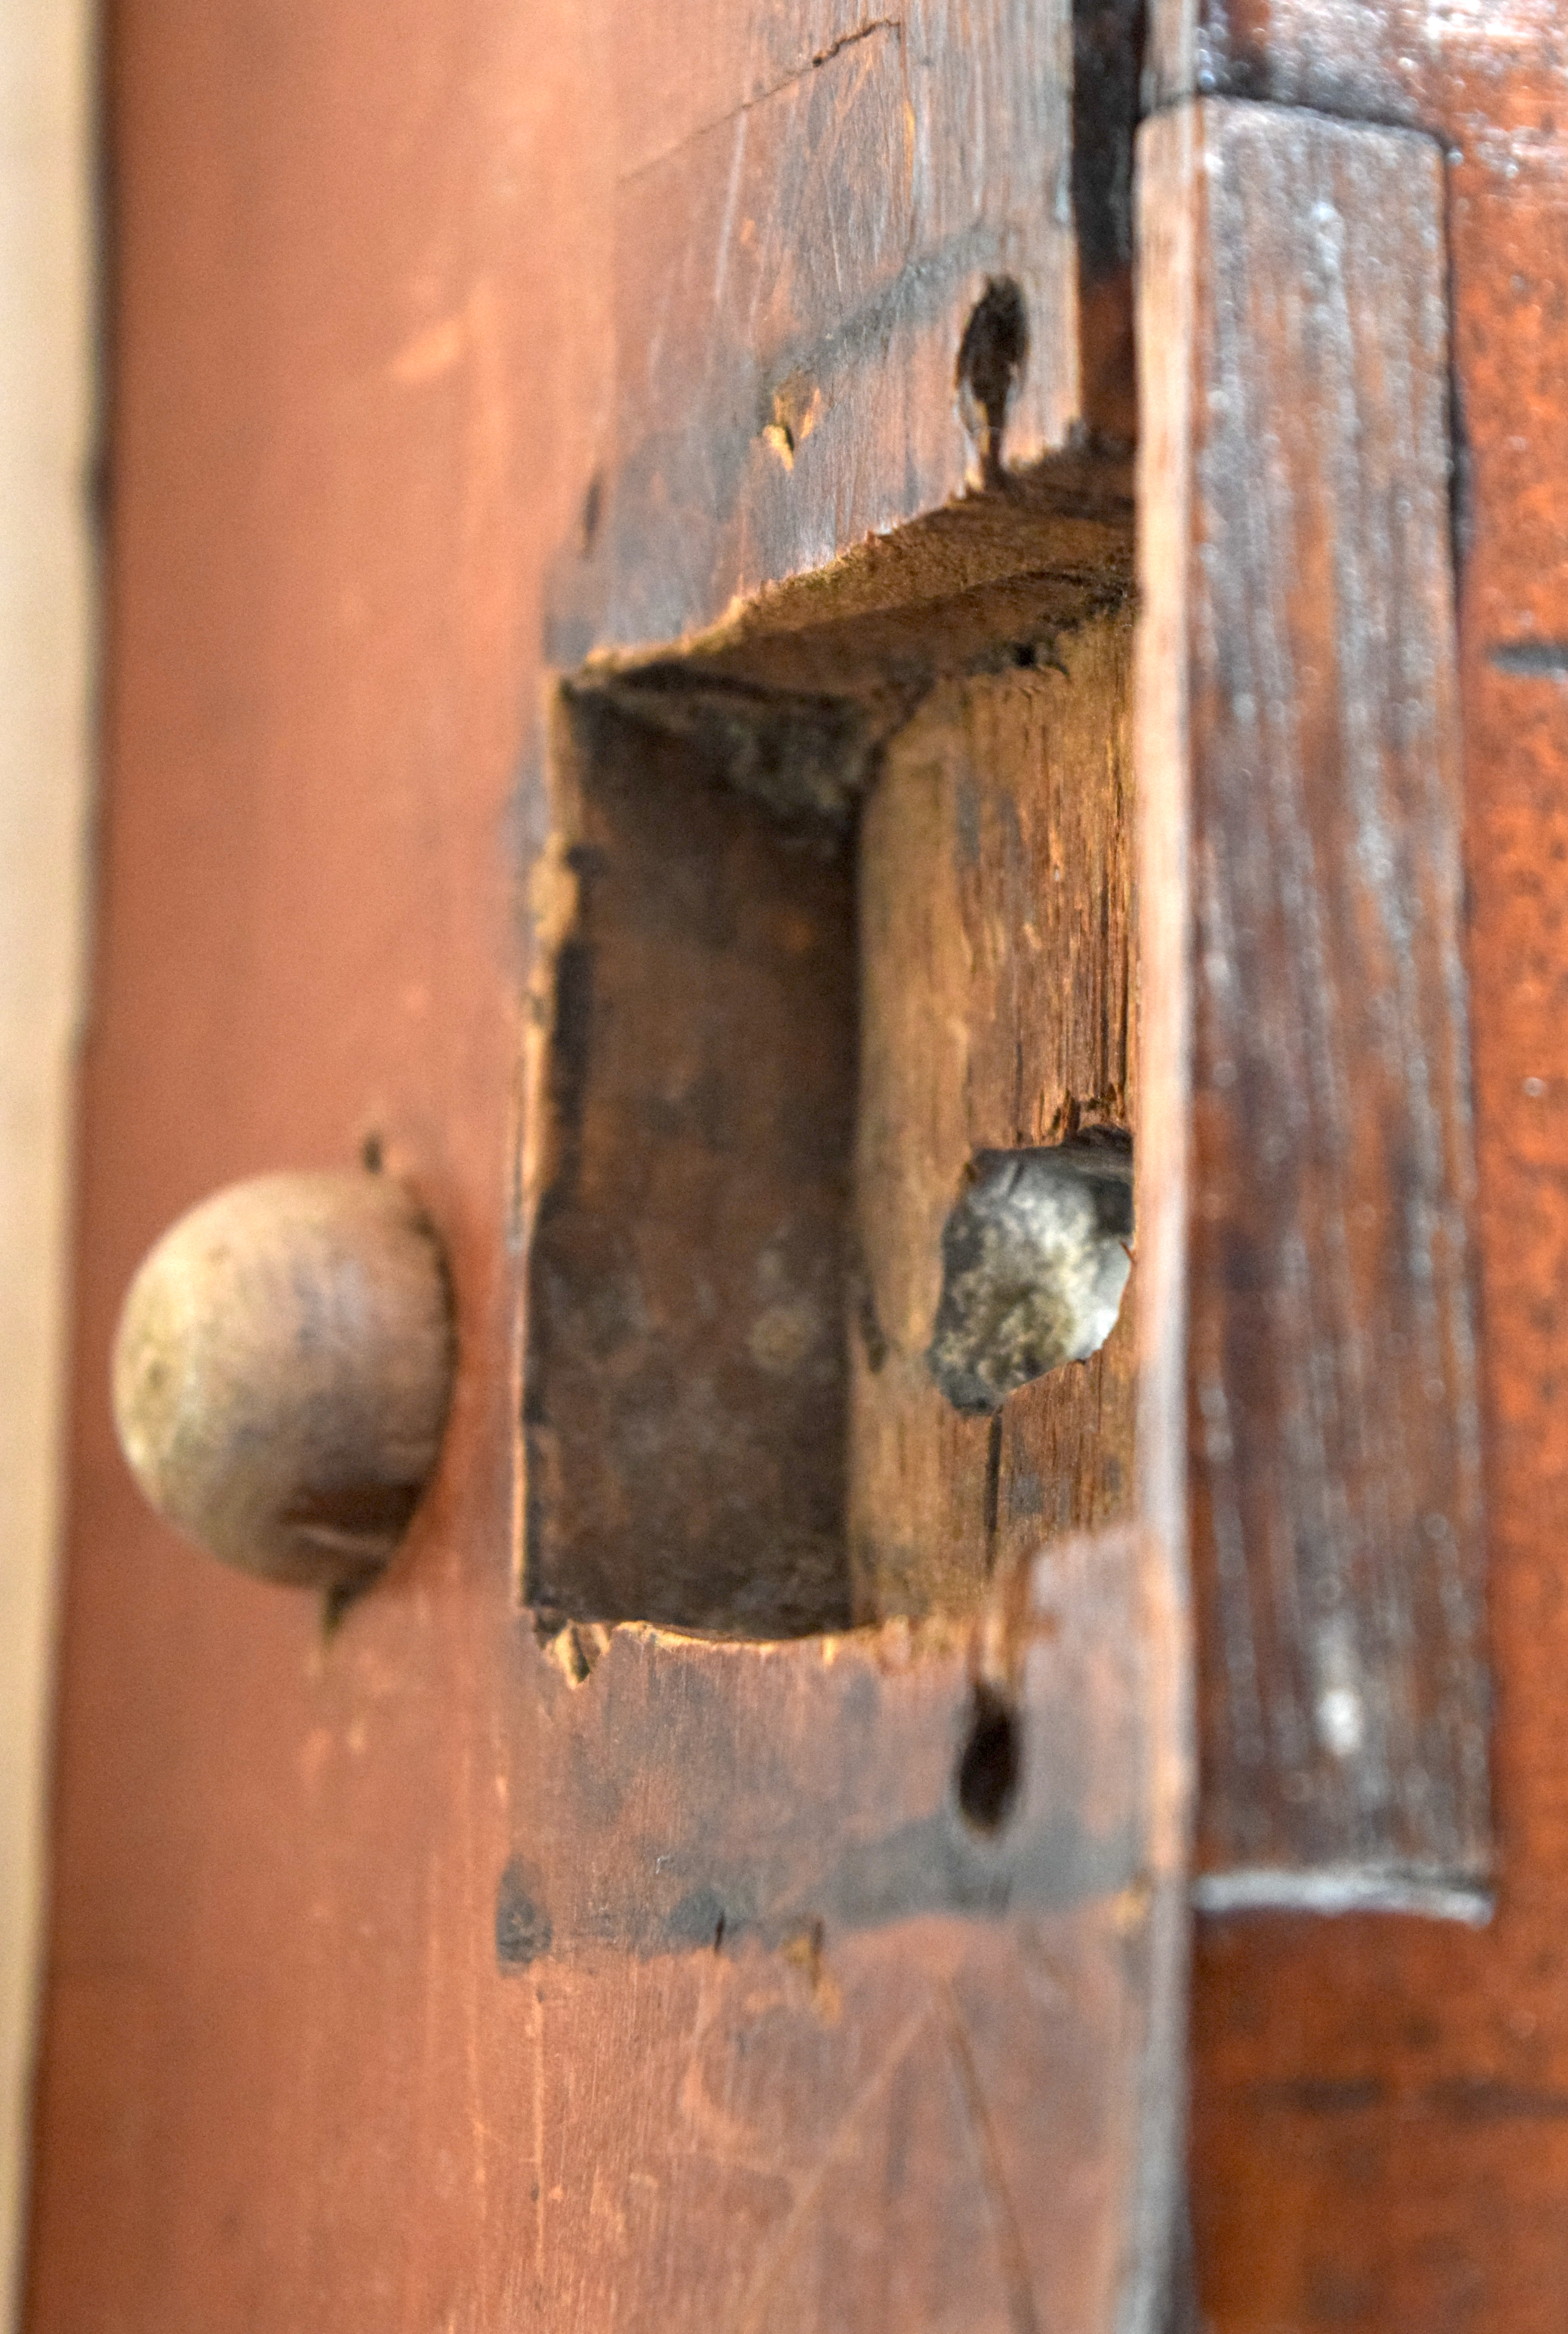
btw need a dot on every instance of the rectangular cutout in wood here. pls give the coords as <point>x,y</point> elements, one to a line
<point>843,914</point>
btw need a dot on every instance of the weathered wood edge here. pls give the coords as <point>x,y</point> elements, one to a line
<point>1462,73</point>
<point>868,1725</point>
<point>1172,209</point>
<point>700,504</point>
<point>792,1797</point>
<point>1164,276</point>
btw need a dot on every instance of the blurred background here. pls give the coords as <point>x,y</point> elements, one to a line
<point>47,406</point>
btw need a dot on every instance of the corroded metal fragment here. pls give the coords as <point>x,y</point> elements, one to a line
<point>1034,1258</point>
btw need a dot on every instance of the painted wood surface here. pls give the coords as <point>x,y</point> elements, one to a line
<point>1334,1404</point>
<point>895,2014</point>
<point>309,2061</point>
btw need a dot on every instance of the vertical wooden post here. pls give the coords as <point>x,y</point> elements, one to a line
<point>1299,589</point>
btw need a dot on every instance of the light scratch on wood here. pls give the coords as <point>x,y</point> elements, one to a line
<point>1015,2268</point>
<point>844,2133</point>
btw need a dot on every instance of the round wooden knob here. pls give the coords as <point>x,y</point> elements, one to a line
<point>282,1372</point>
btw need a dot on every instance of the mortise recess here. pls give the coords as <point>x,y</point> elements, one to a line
<point>836,917</point>
<point>685,1399</point>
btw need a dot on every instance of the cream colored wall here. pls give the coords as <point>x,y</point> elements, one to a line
<point>45,618</point>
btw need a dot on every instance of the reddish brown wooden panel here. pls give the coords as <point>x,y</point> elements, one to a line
<point>1379,2133</point>
<point>1334,1406</point>
<point>1479,74</point>
<point>275,2055</point>
<point>365,301</point>
<point>894,2063</point>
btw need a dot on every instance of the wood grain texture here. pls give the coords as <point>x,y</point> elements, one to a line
<point>891,2067</point>
<point>1378,2125</point>
<point>996,974</point>
<point>1478,77</point>
<point>995,1002</point>
<point>1333,1399</point>
<point>800,240</point>
<point>1162,834</point>
<point>1379,2136</point>
<point>364,333</point>
<point>894,891</point>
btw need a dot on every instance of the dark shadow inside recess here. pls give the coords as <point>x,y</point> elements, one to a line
<point>692,1287</point>
<point>687,1366</point>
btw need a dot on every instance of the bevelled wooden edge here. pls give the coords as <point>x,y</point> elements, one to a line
<point>1163,1014</point>
<point>1300,752</point>
<point>282,1370</point>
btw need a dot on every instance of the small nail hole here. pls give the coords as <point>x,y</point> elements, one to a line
<point>990,1768</point>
